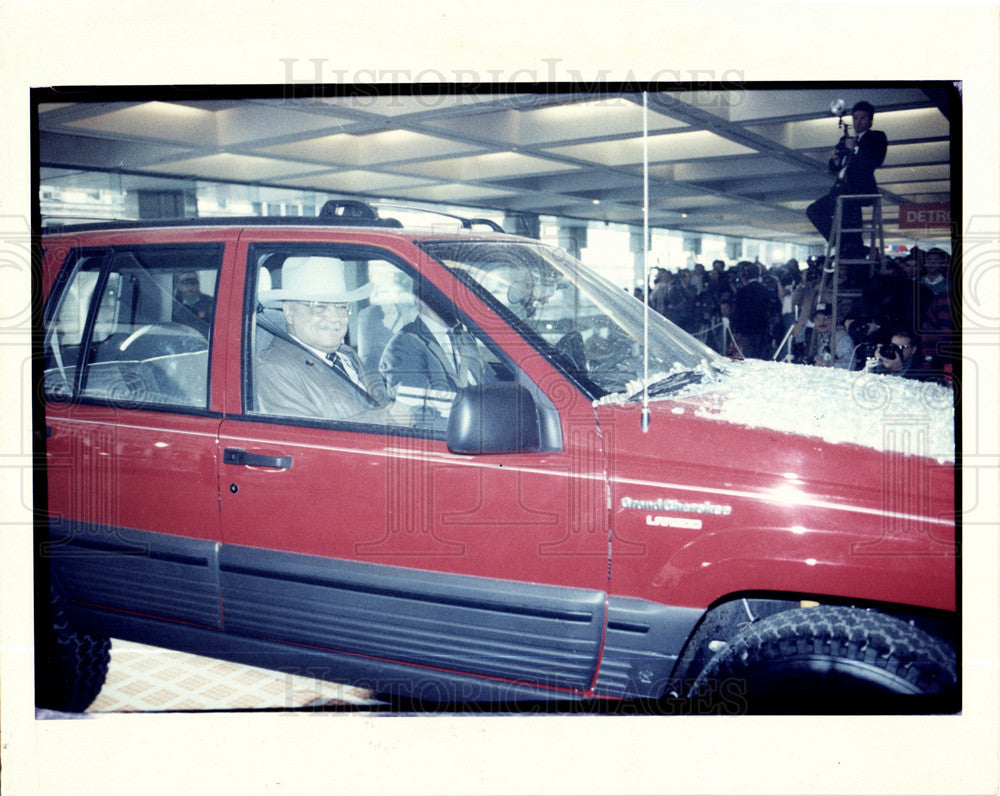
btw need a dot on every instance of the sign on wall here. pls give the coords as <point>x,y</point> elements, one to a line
<point>924,216</point>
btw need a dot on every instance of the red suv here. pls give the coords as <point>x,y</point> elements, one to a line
<point>462,467</point>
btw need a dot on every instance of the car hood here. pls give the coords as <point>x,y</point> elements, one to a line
<point>884,413</point>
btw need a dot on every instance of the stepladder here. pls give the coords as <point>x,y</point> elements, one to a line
<point>856,249</point>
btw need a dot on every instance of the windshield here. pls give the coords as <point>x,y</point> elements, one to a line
<point>580,321</point>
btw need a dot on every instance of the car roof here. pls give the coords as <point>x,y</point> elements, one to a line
<point>388,226</point>
<point>394,231</point>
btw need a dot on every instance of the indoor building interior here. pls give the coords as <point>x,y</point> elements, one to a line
<point>731,170</point>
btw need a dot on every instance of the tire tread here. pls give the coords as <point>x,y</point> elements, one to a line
<point>71,666</point>
<point>832,634</point>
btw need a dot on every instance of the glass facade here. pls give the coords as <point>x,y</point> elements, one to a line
<point>613,250</point>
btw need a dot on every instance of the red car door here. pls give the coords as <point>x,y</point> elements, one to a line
<point>131,421</point>
<point>373,539</point>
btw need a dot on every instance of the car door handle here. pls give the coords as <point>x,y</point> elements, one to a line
<point>239,456</point>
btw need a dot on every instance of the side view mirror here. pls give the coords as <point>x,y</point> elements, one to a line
<point>498,417</point>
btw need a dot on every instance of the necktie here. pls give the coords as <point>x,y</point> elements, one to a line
<point>465,377</point>
<point>453,345</point>
<point>337,365</point>
<point>348,374</point>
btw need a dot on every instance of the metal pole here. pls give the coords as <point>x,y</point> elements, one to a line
<point>645,259</point>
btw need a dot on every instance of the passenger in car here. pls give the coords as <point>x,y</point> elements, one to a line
<point>427,361</point>
<point>192,307</point>
<point>309,371</point>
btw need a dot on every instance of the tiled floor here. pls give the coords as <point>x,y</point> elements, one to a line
<point>146,679</point>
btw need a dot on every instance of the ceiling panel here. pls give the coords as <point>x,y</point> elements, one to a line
<point>901,174</point>
<point>371,101</point>
<point>939,186</point>
<point>359,181</point>
<point>154,120</point>
<point>81,152</point>
<point>668,147</point>
<point>226,165</point>
<point>582,121</point>
<point>936,152</point>
<point>490,166</point>
<point>391,146</point>
<point>453,193</point>
<point>738,160</point>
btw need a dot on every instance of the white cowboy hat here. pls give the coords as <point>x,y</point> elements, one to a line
<point>314,279</point>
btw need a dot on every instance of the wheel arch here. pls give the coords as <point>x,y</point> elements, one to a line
<point>731,613</point>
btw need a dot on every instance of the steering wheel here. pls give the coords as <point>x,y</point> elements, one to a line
<point>570,350</point>
<point>163,339</point>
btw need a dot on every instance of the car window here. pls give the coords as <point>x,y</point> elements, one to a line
<point>349,335</point>
<point>593,330</point>
<point>133,326</point>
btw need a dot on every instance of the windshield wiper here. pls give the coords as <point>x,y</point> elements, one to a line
<point>662,385</point>
<point>674,382</point>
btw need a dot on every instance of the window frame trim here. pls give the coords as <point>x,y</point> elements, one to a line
<point>65,277</point>
<point>551,427</point>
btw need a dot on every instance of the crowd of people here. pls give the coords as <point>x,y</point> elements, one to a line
<point>897,321</point>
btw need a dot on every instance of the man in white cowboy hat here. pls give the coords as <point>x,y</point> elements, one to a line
<point>311,373</point>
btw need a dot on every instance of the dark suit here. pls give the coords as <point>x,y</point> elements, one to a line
<point>292,381</point>
<point>859,178</point>
<point>418,371</point>
<point>868,156</point>
<point>198,315</point>
<point>753,310</point>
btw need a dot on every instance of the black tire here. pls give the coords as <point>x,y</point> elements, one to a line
<point>70,666</point>
<point>830,659</point>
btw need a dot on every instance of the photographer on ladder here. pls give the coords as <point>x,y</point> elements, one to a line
<point>854,161</point>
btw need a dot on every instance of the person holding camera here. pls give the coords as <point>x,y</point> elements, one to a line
<point>896,357</point>
<point>853,161</point>
<point>866,332</point>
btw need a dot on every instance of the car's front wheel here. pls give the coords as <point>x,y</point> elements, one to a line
<point>830,659</point>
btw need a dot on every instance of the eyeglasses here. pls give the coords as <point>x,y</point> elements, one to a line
<point>323,307</point>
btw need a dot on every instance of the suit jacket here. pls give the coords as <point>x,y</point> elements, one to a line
<point>198,315</point>
<point>292,381</point>
<point>422,375</point>
<point>860,174</point>
<point>414,358</point>
<point>753,308</point>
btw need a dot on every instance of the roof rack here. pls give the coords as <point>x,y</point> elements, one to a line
<point>335,212</point>
<point>467,223</point>
<point>210,221</point>
<point>353,212</point>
